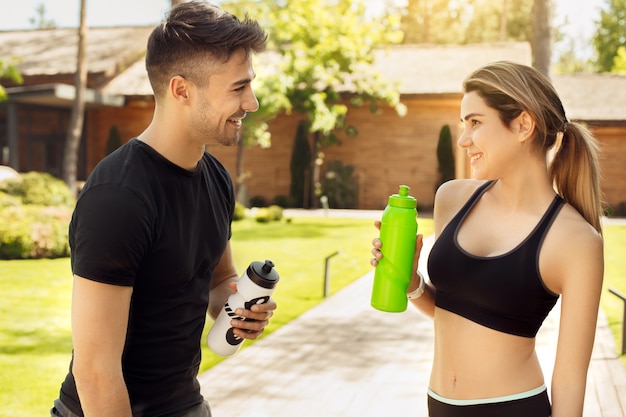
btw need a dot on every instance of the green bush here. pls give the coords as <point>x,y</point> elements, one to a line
<point>114,140</point>
<point>8,200</point>
<point>263,215</point>
<point>445,156</point>
<point>340,185</point>
<point>39,188</point>
<point>240,212</point>
<point>299,165</point>
<point>258,201</point>
<point>31,231</point>
<point>268,214</point>
<point>35,215</point>
<point>282,201</point>
<point>275,212</point>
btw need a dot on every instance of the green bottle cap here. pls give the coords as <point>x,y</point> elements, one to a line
<point>403,199</point>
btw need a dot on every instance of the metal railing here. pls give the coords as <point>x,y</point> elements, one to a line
<point>327,272</point>
<point>623,298</point>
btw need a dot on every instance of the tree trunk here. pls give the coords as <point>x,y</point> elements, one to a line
<point>72,141</point>
<point>241,191</point>
<point>503,20</point>
<point>314,183</point>
<point>542,35</point>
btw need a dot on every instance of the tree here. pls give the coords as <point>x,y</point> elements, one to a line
<point>610,34</point>
<point>40,21</point>
<point>321,58</point>
<point>423,20</point>
<point>569,58</point>
<point>541,40</point>
<point>497,21</point>
<point>269,87</point>
<point>72,141</point>
<point>466,21</point>
<point>114,140</point>
<point>9,71</point>
<point>300,163</point>
<point>445,155</point>
<point>480,21</point>
<point>619,63</point>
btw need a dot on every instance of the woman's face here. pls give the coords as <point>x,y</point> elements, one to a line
<point>490,145</point>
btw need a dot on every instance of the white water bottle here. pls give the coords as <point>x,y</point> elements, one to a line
<point>255,286</point>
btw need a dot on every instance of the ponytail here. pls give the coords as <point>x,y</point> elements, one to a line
<point>575,171</point>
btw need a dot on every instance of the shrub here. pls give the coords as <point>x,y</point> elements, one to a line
<point>275,212</point>
<point>619,211</point>
<point>263,215</point>
<point>8,200</point>
<point>240,212</point>
<point>445,156</point>
<point>31,231</point>
<point>114,140</point>
<point>36,210</point>
<point>299,165</point>
<point>258,201</point>
<point>39,188</point>
<point>282,201</point>
<point>340,185</point>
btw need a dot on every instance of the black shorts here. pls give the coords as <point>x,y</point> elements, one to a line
<point>60,410</point>
<point>536,405</point>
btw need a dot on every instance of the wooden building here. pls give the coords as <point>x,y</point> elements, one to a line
<point>389,150</point>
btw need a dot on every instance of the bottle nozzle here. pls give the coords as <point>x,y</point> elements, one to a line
<point>267,266</point>
<point>404,191</point>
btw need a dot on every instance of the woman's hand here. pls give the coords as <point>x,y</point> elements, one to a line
<point>377,244</point>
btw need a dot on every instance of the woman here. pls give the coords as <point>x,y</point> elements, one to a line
<point>509,242</point>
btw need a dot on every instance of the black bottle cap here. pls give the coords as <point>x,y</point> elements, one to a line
<point>263,274</point>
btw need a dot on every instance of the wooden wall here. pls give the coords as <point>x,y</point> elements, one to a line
<point>388,151</point>
<point>613,164</point>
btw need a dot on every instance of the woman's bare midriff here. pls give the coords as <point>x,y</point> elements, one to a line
<point>474,362</point>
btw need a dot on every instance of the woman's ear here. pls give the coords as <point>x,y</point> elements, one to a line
<point>525,126</point>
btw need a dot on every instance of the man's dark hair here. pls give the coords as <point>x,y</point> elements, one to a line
<point>194,35</point>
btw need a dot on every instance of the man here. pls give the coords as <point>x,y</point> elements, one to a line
<point>150,232</point>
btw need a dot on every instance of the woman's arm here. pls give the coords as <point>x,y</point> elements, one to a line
<point>579,273</point>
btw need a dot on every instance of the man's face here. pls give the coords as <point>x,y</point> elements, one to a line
<point>224,101</point>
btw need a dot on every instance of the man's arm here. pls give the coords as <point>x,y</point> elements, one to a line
<point>99,324</point>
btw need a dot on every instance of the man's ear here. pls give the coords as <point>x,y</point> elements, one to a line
<point>179,88</point>
<point>525,126</point>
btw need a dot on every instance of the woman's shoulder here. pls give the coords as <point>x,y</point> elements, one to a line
<point>459,190</point>
<point>450,197</point>
<point>571,229</point>
<point>574,250</point>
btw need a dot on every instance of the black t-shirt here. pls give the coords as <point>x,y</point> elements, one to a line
<point>143,221</point>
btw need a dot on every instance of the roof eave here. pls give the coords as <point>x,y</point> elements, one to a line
<point>61,95</point>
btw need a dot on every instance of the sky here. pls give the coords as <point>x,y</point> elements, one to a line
<point>16,14</point>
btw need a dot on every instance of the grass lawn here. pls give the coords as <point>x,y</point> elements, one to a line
<point>35,338</point>
<point>614,277</point>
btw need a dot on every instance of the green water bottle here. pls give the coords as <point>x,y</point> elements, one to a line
<point>398,232</point>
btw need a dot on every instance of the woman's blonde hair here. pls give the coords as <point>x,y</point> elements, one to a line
<point>512,88</point>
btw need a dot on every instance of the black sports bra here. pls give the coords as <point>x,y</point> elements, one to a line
<point>504,292</point>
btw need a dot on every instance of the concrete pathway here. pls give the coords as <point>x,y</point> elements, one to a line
<point>343,358</point>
